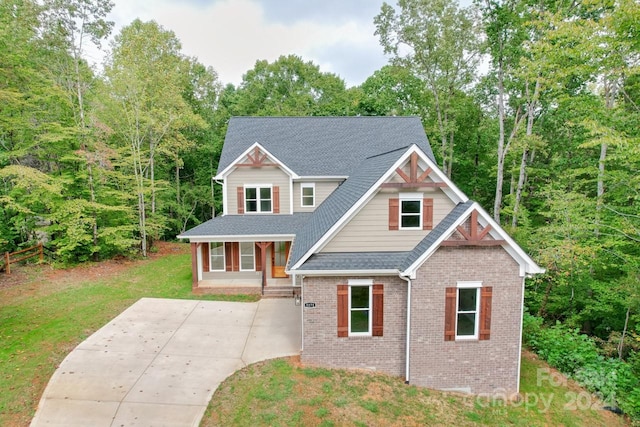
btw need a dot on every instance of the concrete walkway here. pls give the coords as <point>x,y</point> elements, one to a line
<point>159,362</point>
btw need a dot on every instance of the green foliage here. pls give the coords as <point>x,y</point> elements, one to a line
<point>616,382</point>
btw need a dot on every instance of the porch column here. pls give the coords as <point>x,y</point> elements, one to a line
<point>194,265</point>
<point>263,259</point>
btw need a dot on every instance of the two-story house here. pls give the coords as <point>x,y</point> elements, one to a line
<point>397,269</point>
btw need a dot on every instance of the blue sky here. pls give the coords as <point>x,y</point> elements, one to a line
<point>231,35</point>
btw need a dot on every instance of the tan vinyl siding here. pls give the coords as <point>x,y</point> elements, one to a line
<point>323,189</point>
<point>370,226</point>
<point>269,175</point>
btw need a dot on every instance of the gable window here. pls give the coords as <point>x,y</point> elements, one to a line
<point>216,255</point>
<point>410,211</point>
<point>257,199</point>
<point>308,195</point>
<point>247,256</point>
<point>360,308</point>
<point>468,312</point>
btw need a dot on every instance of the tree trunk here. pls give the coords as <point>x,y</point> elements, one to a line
<point>624,332</point>
<point>497,204</point>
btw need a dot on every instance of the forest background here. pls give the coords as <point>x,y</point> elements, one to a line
<point>531,107</point>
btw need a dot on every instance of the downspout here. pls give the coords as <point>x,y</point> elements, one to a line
<point>408,334</point>
<point>302,316</point>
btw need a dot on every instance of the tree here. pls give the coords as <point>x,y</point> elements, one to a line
<point>144,106</point>
<point>438,42</point>
<point>290,86</point>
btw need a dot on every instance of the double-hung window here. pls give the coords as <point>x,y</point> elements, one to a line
<point>411,210</point>
<point>307,195</point>
<point>216,254</point>
<point>467,310</point>
<point>258,199</point>
<point>360,304</point>
<point>247,256</point>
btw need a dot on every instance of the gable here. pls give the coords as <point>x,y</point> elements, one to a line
<point>468,225</point>
<point>355,193</point>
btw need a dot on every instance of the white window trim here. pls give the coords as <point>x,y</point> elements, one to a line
<point>361,283</point>
<point>253,255</point>
<point>224,257</point>
<point>258,199</point>
<point>476,327</point>
<point>311,185</point>
<point>410,197</point>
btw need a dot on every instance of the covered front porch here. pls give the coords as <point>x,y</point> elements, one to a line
<point>240,267</point>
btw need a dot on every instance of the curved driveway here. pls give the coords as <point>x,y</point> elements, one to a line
<point>159,362</point>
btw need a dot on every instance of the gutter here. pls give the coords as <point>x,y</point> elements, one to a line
<point>408,334</point>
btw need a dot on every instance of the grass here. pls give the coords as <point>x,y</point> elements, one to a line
<point>41,321</point>
<point>282,393</point>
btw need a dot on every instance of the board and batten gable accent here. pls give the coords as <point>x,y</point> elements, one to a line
<point>372,225</point>
<point>270,175</point>
<point>488,364</point>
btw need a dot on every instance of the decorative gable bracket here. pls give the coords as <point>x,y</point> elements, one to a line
<point>256,159</point>
<point>473,237</point>
<point>413,180</point>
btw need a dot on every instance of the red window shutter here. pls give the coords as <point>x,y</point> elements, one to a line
<point>228,256</point>
<point>205,257</point>
<point>276,199</point>
<point>258,257</point>
<point>240,200</point>
<point>450,314</point>
<point>378,310</point>
<point>485,312</point>
<point>394,212</point>
<point>343,311</point>
<point>235,250</point>
<point>427,214</point>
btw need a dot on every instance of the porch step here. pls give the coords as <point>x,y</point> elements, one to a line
<point>279,292</point>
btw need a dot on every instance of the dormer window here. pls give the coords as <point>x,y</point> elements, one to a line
<point>258,199</point>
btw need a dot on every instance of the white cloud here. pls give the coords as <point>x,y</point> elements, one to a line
<point>231,35</point>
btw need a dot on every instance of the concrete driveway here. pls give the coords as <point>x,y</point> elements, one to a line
<point>159,362</point>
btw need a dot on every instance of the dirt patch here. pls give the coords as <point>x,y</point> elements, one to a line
<point>29,278</point>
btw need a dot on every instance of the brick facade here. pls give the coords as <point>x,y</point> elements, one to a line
<point>320,338</point>
<point>489,366</point>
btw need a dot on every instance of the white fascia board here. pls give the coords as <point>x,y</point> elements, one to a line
<point>320,178</point>
<point>305,273</point>
<point>527,265</point>
<point>498,233</point>
<point>355,208</point>
<point>455,194</point>
<point>240,238</point>
<point>232,165</point>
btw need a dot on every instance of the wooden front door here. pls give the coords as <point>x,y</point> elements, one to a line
<point>279,256</point>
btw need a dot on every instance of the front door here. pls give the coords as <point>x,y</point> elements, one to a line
<point>279,259</point>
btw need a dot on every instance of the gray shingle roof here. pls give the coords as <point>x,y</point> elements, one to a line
<point>340,201</point>
<point>354,261</point>
<point>426,243</point>
<point>248,225</point>
<point>322,146</point>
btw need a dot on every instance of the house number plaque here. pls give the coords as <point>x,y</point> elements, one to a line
<point>309,305</point>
